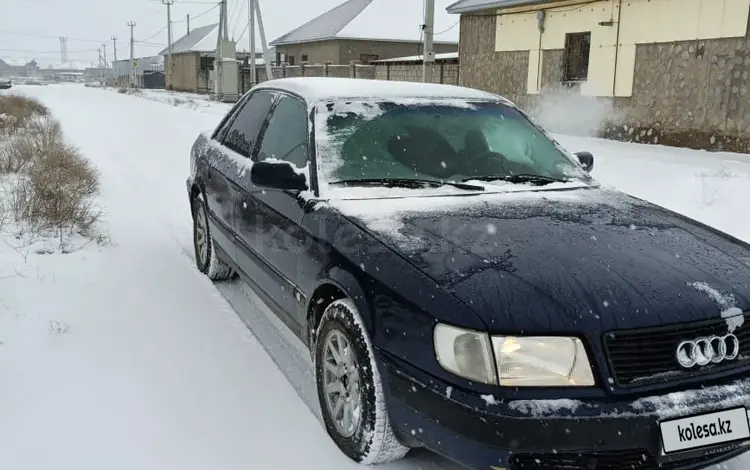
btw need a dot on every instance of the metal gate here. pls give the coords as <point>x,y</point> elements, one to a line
<point>153,79</point>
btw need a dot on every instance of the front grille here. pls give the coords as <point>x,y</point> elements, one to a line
<point>623,460</point>
<point>647,356</point>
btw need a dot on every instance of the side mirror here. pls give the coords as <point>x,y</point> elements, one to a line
<point>586,159</point>
<point>279,175</point>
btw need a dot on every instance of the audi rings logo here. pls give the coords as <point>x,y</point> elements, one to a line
<point>703,351</point>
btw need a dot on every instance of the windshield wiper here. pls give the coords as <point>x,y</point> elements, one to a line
<point>407,183</point>
<point>539,180</point>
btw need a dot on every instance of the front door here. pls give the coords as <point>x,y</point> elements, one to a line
<point>269,219</point>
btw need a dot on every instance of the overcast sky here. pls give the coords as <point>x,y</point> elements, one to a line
<point>31,28</point>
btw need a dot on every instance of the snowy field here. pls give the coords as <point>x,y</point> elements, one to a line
<point>125,357</point>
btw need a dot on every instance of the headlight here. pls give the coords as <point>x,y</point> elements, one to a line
<point>542,362</point>
<point>465,353</point>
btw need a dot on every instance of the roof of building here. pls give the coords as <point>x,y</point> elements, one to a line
<point>314,89</point>
<point>15,62</point>
<point>70,65</point>
<point>202,39</point>
<point>375,20</point>
<point>468,6</point>
<point>154,59</point>
<point>419,58</point>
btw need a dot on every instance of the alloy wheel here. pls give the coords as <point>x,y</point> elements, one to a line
<point>341,384</point>
<point>201,235</point>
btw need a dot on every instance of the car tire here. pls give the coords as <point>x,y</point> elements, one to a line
<point>203,243</point>
<point>370,438</point>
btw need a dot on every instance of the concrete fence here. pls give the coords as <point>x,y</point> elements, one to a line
<point>442,73</point>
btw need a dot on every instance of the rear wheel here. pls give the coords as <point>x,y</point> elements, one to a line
<point>205,255</point>
<point>349,388</point>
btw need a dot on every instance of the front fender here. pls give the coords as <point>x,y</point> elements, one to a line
<point>347,283</point>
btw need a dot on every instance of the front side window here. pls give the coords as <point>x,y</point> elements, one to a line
<point>453,141</point>
<point>286,137</point>
<point>244,129</point>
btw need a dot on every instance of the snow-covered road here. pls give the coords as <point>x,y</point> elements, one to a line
<point>125,357</point>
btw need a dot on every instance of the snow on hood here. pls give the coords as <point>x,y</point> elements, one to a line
<point>383,210</point>
<point>726,302</point>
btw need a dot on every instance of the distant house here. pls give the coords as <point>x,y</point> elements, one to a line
<point>194,53</point>
<point>124,67</point>
<point>68,71</point>
<point>658,71</point>
<point>366,31</point>
<point>18,68</point>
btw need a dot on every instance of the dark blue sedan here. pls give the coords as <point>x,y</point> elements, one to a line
<point>464,285</point>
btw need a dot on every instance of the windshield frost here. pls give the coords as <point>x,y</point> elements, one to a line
<point>450,140</point>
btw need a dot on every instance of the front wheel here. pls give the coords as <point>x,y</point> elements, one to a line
<point>349,388</point>
<point>205,255</point>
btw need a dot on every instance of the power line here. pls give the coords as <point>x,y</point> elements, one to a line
<point>195,17</point>
<point>153,35</point>
<point>32,51</point>
<point>152,44</point>
<point>36,35</point>
<point>184,2</point>
<point>239,17</point>
<point>448,29</point>
<point>233,9</point>
<point>242,34</point>
<point>216,5</point>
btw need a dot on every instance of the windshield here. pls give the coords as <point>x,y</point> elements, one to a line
<point>450,141</point>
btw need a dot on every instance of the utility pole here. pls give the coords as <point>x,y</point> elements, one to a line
<point>114,62</point>
<point>221,37</point>
<point>188,23</point>
<point>99,51</point>
<point>428,60</point>
<point>132,58</point>
<point>269,72</point>
<point>169,3</point>
<point>101,71</point>
<point>63,49</point>
<point>251,19</point>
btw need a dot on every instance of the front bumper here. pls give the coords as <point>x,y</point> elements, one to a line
<point>484,433</point>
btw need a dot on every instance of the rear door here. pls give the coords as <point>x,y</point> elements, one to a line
<point>228,161</point>
<point>269,219</point>
<point>215,170</point>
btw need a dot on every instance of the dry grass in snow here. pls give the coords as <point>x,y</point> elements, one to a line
<point>48,188</point>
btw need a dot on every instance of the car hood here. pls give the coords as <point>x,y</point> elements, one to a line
<point>565,261</point>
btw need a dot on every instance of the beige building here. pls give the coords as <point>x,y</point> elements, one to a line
<point>193,60</point>
<point>366,31</point>
<point>673,71</point>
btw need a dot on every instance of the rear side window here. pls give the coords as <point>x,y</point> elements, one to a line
<point>286,136</point>
<point>244,129</point>
<point>223,127</point>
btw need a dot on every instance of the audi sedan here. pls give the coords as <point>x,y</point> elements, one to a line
<point>464,285</point>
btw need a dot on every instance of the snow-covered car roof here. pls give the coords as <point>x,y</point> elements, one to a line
<point>316,89</point>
